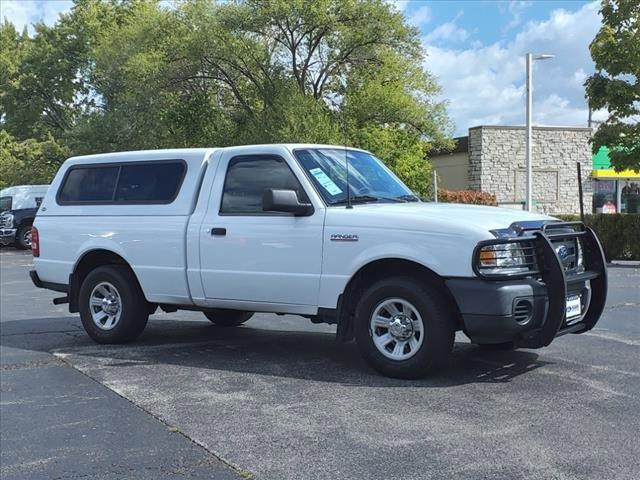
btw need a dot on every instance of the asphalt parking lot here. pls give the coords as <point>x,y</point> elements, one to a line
<point>279,399</point>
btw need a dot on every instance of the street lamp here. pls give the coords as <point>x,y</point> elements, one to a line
<point>530,58</point>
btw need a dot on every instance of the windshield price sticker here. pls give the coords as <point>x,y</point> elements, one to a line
<point>325,181</point>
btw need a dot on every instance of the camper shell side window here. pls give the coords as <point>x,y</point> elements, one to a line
<point>122,183</point>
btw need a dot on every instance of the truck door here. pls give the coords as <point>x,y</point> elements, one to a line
<point>249,255</point>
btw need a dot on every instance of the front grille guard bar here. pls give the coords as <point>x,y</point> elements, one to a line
<point>550,270</point>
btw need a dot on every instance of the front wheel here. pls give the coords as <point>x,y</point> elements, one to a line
<point>112,306</point>
<point>404,329</point>
<point>222,317</point>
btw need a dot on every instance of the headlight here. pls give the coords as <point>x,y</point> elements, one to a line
<point>6,220</point>
<point>506,258</point>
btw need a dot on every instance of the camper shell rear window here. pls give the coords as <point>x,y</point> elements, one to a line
<point>122,183</point>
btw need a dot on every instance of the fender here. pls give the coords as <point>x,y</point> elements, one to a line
<point>99,243</point>
<point>77,274</point>
<point>436,254</point>
<point>395,250</point>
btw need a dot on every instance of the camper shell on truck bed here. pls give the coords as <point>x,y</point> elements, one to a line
<point>322,231</point>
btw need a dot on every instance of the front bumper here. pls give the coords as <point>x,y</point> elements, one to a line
<point>7,236</point>
<point>531,310</point>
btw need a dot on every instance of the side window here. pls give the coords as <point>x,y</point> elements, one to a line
<point>249,176</point>
<point>149,182</point>
<point>126,183</point>
<point>89,184</point>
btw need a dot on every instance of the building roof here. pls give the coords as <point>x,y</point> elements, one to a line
<point>461,146</point>
<point>534,127</point>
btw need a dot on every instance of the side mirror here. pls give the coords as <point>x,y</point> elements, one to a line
<point>274,200</point>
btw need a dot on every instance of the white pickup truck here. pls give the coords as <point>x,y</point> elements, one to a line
<point>320,231</point>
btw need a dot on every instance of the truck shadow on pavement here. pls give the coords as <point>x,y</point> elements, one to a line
<point>249,350</point>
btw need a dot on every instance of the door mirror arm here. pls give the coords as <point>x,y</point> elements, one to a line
<point>277,200</point>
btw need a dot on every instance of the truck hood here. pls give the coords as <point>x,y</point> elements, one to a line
<point>442,217</point>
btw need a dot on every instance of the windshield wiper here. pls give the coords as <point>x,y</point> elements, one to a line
<point>408,198</point>
<point>369,198</point>
<point>357,199</point>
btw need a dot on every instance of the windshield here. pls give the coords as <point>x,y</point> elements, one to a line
<point>5,203</point>
<point>369,179</point>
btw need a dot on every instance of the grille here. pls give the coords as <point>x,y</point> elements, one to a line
<point>568,252</point>
<point>4,222</point>
<point>522,311</point>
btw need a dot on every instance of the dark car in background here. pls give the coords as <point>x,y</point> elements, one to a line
<point>18,208</point>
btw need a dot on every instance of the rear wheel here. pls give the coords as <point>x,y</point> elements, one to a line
<point>404,329</point>
<point>222,317</point>
<point>23,238</point>
<point>112,306</point>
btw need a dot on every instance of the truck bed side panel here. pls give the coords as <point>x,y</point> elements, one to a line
<point>152,245</point>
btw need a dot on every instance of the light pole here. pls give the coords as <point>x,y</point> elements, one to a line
<point>530,58</point>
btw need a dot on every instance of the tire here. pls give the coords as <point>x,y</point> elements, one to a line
<point>222,317</point>
<point>421,353</point>
<point>123,292</point>
<point>23,238</point>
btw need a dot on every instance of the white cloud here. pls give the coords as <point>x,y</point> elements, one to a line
<point>447,32</point>
<point>26,12</point>
<point>421,16</point>
<point>415,16</point>
<point>516,10</point>
<point>485,84</point>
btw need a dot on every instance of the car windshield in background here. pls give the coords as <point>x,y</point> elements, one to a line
<point>369,180</point>
<point>5,203</point>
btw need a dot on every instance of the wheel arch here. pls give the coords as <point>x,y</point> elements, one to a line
<point>25,221</point>
<point>377,270</point>
<point>88,261</point>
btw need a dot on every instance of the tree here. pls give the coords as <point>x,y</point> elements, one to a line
<point>330,71</point>
<point>44,83</point>
<point>29,161</point>
<point>39,80</point>
<point>616,83</point>
<point>148,74</point>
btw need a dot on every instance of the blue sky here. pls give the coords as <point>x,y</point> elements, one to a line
<point>476,51</point>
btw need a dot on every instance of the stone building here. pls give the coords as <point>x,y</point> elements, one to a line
<point>494,162</point>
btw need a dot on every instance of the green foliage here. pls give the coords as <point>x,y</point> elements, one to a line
<point>122,75</point>
<point>29,161</point>
<point>618,233</point>
<point>39,82</point>
<point>616,83</point>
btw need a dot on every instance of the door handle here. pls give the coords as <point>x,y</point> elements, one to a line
<point>219,231</point>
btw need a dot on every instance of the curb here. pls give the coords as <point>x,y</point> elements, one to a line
<point>624,263</point>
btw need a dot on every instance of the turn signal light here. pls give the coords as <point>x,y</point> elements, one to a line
<point>35,242</point>
<point>487,258</point>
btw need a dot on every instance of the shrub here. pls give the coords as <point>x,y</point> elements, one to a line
<point>619,233</point>
<point>466,196</point>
